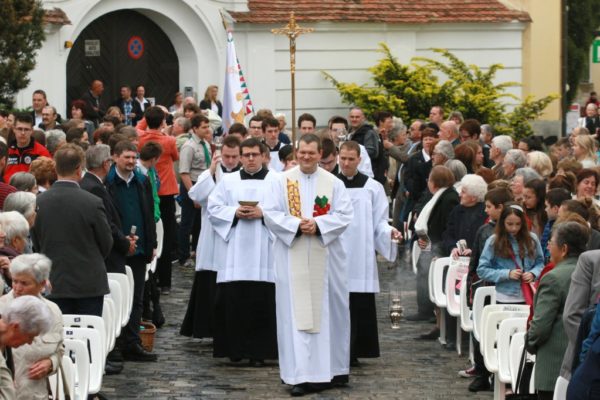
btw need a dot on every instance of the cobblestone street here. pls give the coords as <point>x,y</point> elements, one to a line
<point>407,368</point>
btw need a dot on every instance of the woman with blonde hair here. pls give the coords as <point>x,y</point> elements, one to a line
<point>540,162</point>
<point>210,101</point>
<point>584,150</point>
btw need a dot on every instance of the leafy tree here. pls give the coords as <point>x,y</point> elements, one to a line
<point>21,35</point>
<point>583,19</point>
<point>409,91</point>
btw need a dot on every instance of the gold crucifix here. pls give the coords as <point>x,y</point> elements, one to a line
<point>292,30</point>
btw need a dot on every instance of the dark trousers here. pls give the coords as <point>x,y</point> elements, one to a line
<point>167,215</point>
<point>83,306</point>
<point>189,225</point>
<point>131,333</point>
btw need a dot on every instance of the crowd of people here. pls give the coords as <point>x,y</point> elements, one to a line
<point>283,236</point>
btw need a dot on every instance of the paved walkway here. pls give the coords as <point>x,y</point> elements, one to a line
<point>407,369</point>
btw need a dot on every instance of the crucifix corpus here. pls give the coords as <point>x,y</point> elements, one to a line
<point>292,30</point>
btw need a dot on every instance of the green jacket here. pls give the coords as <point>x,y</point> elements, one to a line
<point>546,336</point>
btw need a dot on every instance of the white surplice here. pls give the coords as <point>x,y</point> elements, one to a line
<point>365,166</point>
<point>304,356</point>
<point>368,232</point>
<point>249,254</point>
<point>211,249</point>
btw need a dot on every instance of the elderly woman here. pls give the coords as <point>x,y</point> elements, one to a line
<point>22,320</point>
<point>513,160</point>
<point>520,177</point>
<point>459,170</point>
<point>54,139</point>
<point>463,222</point>
<point>540,162</point>
<point>25,204</point>
<point>442,152</point>
<point>15,227</point>
<point>35,361</point>
<point>500,146</point>
<point>24,182</point>
<point>429,227</point>
<point>44,171</point>
<point>546,336</point>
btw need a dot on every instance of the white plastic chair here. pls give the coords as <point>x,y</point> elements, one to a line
<point>91,322</point>
<point>489,336</point>
<point>160,234</point>
<point>487,310</point>
<point>436,274</point>
<point>560,389</point>
<point>108,315</point>
<point>454,277</point>
<point>116,296</point>
<point>126,292</point>
<point>415,254</point>
<point>129,274</point>
<point>466,323</point>
<point>508,328</point>
<point>77,350</point>
<point>56,380</point>
<point>479,299</point>
<point>516,350</point>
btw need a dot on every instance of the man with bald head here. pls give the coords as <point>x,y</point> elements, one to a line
<point>449,131</point>
<point>95,109</point>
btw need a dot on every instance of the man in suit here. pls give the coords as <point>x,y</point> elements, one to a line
<point>98,162</point>
<point>72,230</point>
<point>583,292</point>
<point>129,107</point>
<point>94,108</point>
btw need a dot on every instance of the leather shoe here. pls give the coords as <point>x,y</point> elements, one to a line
<point>115,356</point>
<point>113,368</point>
<point>479,384</point>
<point>158,318</point>
<point>417,317</point>
<point>136,352</point>
<point>298,390</point>
<point>432,335</point>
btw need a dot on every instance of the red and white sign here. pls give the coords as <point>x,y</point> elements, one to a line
<point>135,47</point>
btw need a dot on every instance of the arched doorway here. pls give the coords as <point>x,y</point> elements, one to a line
<point>123,47</point>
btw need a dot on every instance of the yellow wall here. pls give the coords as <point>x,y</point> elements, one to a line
<point>542,51</point>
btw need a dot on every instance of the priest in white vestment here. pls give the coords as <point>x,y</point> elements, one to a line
<point>211,250</point>
<point>310,210</point>
<point>245,325</point>
<point>368,233</point>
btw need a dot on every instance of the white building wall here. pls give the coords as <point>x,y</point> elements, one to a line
<point>345,50</point>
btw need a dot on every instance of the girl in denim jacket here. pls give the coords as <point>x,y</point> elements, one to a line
<point>511,256</point>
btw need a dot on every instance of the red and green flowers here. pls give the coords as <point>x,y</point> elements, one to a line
<point>321,206</point>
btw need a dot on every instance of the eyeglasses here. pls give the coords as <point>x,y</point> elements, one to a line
<point>250,155</point>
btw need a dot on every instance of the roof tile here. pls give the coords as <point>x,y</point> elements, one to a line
<point>387,11</point>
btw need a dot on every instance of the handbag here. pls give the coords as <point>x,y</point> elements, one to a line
<point>523,379</point>
<point>526,288</point>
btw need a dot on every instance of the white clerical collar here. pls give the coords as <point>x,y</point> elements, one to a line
<point>255,172</point>
<point>426,156</point>
<point>350,177</point>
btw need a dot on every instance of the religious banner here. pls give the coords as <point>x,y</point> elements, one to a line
<point>236,98</point>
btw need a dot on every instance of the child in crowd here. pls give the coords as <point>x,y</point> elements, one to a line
<point>554,198</point>
<point>494,204</point>
<point>534,194</point>
<point>511,256</point>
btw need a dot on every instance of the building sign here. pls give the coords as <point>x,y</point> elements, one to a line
<point>596,51</point>
<point>135,47</point>
<point>92,48</point>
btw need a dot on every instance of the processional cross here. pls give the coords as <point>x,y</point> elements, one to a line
<point>292,30</point>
